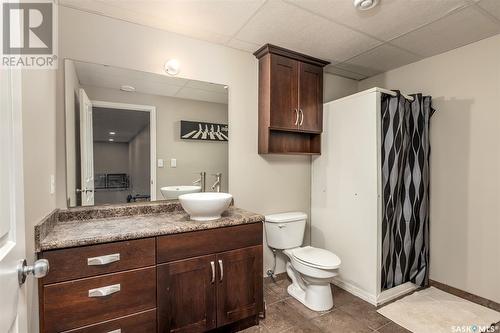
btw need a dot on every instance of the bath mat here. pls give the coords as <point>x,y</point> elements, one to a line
<point>433,310</point>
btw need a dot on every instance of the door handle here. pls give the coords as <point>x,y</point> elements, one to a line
<point>39,269</point>
<point>296,117</point>
<point>221,267</point>
<point>103,260</point>
<point>301,117</point>
<point>104,291</point>
<point>213,271</point>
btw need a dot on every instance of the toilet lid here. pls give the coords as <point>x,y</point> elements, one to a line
<point>317,257</point>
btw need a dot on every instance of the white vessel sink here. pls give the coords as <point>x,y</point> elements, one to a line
<point>173,192</point>
<point>205,206</point>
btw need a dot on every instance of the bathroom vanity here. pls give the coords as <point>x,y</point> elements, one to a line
<point>148,268</point>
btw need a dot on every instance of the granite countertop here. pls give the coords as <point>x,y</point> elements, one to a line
<point>95,225</point>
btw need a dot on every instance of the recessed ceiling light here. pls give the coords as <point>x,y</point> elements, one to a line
<point>111,140</point>
<point>127,88</point>
<point>112,133</point>
<point>365,4</point>
<point>172,67</point>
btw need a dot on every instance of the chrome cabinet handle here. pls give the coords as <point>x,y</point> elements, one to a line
<point>213,271</point>
<point>221,267</point>
<point>103,260</point>
<point>104,291</point>
<point>296,117</point>
<point>301,117</point>
<point>116,331</point>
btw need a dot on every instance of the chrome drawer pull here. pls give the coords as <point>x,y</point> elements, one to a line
<point>213,271</point>
<point>103,260</point>
<point>116,331</point>
<point>104,291</point>
<point>302,117</point>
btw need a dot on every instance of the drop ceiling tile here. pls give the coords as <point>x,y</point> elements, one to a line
<point>342,72</point>
<point>378,60</point>
<point>288,26</point>
<point>391,18</point>
<point>208,86</point>
<point>459,29</point>
<point>244,46</point>
<point>202,95</point>
<point>214,21</point>
<point>491,6</point>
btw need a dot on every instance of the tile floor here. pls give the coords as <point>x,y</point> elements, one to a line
<point>350,314</point>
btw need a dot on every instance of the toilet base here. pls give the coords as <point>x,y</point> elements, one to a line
<point>316,296</point>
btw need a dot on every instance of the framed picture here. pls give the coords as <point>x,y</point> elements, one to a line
<point>196,130</point>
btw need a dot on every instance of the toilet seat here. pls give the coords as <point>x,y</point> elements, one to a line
<point>316,257</point>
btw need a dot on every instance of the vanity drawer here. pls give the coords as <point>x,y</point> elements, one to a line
<point>80,262</point>
<point>73,304</point>
<point>198,243</point>
<point>144,322</point>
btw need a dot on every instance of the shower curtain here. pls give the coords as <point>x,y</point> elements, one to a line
<point>405,189</point>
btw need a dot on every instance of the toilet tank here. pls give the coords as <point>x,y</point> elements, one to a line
<point>285,230</point>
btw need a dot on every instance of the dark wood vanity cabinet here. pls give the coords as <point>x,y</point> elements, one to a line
<point>202,293</point>
<point>214,290</point>
<point>189,282</point>
<point>290,101</point>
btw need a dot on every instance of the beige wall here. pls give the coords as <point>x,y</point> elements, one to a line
<point>38,107</point>
<point>192,156</point>
<point>264,184</point>
<point>465,161</point>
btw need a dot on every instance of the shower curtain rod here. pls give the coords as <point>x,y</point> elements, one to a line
<point>392,93</point>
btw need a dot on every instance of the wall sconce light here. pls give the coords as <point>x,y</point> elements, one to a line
<point>172,67</point>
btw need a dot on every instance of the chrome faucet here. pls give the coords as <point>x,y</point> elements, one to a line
<point>201,181</point>
<point>216,186</point>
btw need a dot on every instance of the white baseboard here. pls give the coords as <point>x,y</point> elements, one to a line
<point>393,293</point>
<point>364,295</point>
<point>384,297</point>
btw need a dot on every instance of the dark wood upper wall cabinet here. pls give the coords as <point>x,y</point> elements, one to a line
<point>290,101</point>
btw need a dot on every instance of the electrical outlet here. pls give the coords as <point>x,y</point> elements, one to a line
<point>173,163</point>
<point>160,163</point>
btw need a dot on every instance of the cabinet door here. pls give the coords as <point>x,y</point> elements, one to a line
<point>186,295</point>
<point>239,289</point>
<point>284,92</point>
<point>311,98</point>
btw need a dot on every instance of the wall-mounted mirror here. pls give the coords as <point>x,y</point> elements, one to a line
<point>136,136</point>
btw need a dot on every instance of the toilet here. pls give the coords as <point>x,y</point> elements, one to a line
<point>310,269</point>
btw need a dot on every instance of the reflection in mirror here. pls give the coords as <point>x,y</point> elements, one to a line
<point>136,136</point>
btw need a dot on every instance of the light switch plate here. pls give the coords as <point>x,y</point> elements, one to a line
<point>173,163</point>
<point>160,163</point>
<point>52,189</point>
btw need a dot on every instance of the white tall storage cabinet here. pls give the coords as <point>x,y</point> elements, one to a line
<point>346,200</point>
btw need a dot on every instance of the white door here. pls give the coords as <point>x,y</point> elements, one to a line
<point>12,244</point>
<point>86,150</point>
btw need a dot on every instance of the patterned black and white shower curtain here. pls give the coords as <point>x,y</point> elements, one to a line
<point>405,185</point>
